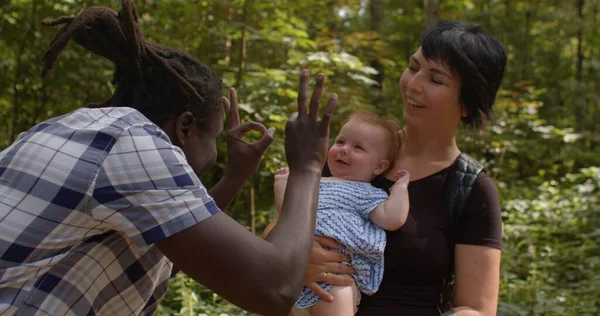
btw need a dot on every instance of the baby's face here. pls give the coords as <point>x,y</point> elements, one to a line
<point>358,153</point>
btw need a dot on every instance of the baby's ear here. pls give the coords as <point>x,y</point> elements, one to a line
<point>381,167</point>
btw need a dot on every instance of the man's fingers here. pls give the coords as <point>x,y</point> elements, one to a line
<point>326,119</point>
<point>266,140</point>
<point>303,92</point>
<point>234,115</point>
<point>226,105</point>
<point>249,126</point>
<point>316,97</point>
<point>316,288</point>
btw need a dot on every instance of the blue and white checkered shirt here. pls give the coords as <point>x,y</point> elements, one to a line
<point>83,199</point>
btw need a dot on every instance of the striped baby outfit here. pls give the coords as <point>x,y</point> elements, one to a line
<point>343,214</point>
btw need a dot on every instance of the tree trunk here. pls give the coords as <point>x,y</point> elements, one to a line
<point>244,40</point>
<point>238,83</point>
<point>580,23</point>
<point>228,40</point>
<point>432,15</point>
<point>525,48</point>
<point>580,116</point>
<point>252,208</point>
<point>489,16</point>
<point>16,106</point>
<point>376,12</point>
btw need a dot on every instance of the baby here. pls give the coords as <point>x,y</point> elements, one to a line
<point>352,211</point>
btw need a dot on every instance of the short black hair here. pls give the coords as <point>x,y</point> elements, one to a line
<point>478,58</point>
<point>158,81</point>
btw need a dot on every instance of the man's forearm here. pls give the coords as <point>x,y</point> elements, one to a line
<point>222,193</point>
<point>226,190</point>
<point>295,228</point>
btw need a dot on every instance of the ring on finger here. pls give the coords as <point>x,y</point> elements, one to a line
<point>323,277</point>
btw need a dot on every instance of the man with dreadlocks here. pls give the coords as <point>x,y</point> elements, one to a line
<point>97,206</point>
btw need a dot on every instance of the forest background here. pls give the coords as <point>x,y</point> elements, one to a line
<point>542,147</point>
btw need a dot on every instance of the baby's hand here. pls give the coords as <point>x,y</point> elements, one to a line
<point>402,178</point>
<point>281,177</point>
<point>282,174</point>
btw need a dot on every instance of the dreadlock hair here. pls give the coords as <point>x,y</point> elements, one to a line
<point>154,79</point>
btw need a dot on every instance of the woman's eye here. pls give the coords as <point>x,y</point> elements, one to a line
<point>436,81</point>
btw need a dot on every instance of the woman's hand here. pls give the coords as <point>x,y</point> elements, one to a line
<point>326,266</point>
<point>243,158</point>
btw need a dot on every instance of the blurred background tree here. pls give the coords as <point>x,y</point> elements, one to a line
<point>542,146</point>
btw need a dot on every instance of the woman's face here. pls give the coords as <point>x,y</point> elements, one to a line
<point>431,93</point>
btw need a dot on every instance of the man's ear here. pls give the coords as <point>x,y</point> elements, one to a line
<point>381,167</point>
<point>184,125</point>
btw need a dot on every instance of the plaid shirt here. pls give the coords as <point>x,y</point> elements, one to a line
<point>83,198</point>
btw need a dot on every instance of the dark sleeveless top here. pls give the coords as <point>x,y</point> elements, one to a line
<point>417,257</point>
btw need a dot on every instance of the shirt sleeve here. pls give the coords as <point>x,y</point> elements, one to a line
<point>481,222</point>
<point>371,199</point>
<point>147,190</point>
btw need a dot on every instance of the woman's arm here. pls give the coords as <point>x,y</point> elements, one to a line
<point>477,252</point>
<point>477,280</point>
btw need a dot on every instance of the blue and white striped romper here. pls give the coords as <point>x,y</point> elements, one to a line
<point>343,214</point>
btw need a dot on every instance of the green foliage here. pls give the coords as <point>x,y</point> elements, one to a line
<point>553,264</point>
<point>188,298</point>
<point>541,147</point>
<point>550,188</point>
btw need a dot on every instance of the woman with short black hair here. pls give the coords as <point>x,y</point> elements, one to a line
<point>453,232</point>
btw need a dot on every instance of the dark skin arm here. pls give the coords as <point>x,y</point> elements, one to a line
<point>264,276</point>
<point>243,158</point>
<point>226,190</point>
